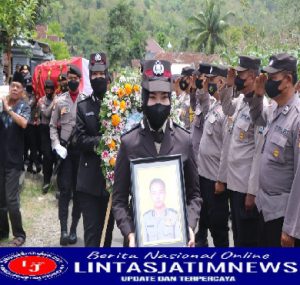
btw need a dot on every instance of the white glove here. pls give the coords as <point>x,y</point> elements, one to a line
<point>61,151</point>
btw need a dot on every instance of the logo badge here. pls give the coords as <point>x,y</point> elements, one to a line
<point>242,135</point>
<point>276,152</point>
<point>98,57</point>
<point>158,68</point>
<point>33,266</point>
<point>271,62</point>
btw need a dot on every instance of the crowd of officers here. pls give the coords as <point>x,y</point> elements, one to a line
<point>241,153</point>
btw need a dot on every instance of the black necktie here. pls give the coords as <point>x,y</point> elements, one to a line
<point>158,136</point>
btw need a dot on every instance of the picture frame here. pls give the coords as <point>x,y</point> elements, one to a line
<point>159,202</point>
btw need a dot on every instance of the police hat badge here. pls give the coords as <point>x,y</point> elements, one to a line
<point>158,68</point>
<point>98,57</point>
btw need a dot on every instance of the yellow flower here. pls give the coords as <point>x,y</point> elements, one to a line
<point>112,162</point>
<point>115,119</point>
<point>112,145</point>
<point>128,88</point>
<point>123,105</point>
<point>121,93</point>
<point>136,88</point>
<point>116,103</point>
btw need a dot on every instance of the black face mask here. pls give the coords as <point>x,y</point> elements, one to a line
<point>73,85</point>
<point>49,96</point>
<point>239,83</point>
<point>157,115</point>
<point>183,84</point>
<point>198,83</point>
<point>271,87</point>
<point>64,88</point>
<point>99,86</point>
<point>212,88</point>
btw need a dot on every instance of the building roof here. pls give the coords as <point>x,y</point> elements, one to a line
<point>187,58</point>
<point>152,46</point>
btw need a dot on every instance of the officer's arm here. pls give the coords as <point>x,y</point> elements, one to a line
<point>258,112</point>
<point>291,224</point>
<point>228,102</point>
<point>53,126</point>
<point>121,192</point>
<point>204,101</point>
<point>193,99</point>
<point>193,197</point>
<point>253,182</point>
<point>84,141</point>
<point>222,173</point>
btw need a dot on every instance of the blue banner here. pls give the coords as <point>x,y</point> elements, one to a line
<point>149,266</point>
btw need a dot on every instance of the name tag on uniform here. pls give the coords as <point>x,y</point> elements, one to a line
<point>89,114</point>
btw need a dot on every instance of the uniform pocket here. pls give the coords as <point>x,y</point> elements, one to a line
<point>277,148</point>
<point>243,127</point>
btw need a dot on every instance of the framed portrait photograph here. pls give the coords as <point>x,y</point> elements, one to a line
<point>159,206</point>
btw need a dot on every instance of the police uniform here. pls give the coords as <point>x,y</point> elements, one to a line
<point>244,144</point>
<point>91,187</point>
<point>139,143</point>
<point>45,106</point>
<point>201,108</point>
<point>215,211</point>
<point>62,130</point>
<point>31,133</point>
<point>278,198</point>
<point>164,227</point>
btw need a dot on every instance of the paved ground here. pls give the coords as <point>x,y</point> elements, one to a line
<point>40,217</point>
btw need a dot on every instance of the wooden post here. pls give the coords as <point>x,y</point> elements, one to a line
<point>108,210</point>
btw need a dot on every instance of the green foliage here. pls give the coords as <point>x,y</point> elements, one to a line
<point>209,27</point>
<point>125,40</point>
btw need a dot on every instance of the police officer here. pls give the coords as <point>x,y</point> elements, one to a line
<point>278,199</point>
<point>242,149</point>
<point>156,135</point>
<point>25,70</point>
<point>63,83</point>
<point>186,87</point>
<point>215,211</point>
<point>62,134</point>
<point>13,120</point>
<point>45,107</point>
<point>160,223</point>
<point>91,188</point>
<point>31,132</point>
<point>201,106</point>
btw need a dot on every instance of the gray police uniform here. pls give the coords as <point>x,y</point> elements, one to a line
<point>243,150</point>
<point>201,109</point>
<point>163,228</point>
<point>62,126</point>
<point>215,211</point>
<point>278,198</point>
<point>45,106</point>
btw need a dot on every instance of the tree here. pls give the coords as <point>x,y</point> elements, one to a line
<point>125,39</point>
<point>209,27</point>
<point>17,19</point>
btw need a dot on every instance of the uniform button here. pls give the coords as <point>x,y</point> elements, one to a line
<point>85,164</point>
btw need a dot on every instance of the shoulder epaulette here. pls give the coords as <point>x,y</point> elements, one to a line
<point>132,129</point>
<point>184,129</point>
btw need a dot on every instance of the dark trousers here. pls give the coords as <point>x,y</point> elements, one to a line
<point>31,143</point>
<point>270,232</point>
<point>66,182</point>
<point>48,155</point>
<point>10,203</point>
<point>93,212</point>
<point>214,215</point>
<point>245,224</point>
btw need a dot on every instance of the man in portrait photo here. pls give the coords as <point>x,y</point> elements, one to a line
<point>160,223</point>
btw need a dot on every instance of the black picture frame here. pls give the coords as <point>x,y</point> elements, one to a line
<point>160,216</point>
